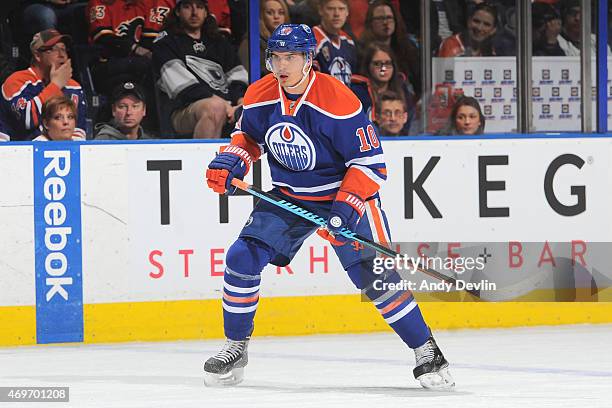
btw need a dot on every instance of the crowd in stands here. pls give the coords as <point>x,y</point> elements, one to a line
<point>138,69</point>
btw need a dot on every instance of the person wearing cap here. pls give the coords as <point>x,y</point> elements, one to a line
<point>199,71</point>
<point>129,108</point>
<point>25,92</point>
<point>546,23</point>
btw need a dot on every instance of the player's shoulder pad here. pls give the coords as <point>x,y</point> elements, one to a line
<point>332,98</point>
<point>261,91</point>
<point>16,82</point>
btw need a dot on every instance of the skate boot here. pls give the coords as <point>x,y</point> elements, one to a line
<point>431,367</point>
<point>227,366</point>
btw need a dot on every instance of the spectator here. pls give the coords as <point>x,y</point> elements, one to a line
<point>447,18</point>
<point>504,42</point>
<point>546,23</point>
<point>199,71</point>
<point>385,25</point>
<point>129,108</point>
<point>466,118</point>
<point>273,14</point>
<point>477,39</point>
<point>336,53</point>
<point>116,26</point>
<point>357,16</point>
<point>24,92</point>
<point>67,16</point>
<point>393,116</point>
<point>569,39</point>
<point>156,12</point>
<point>305,12</point>
<point>380,74</point>
<point>59,117</point>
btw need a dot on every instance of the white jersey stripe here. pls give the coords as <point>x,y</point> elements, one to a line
<point>236,289</point>
<point>368,172</point>
<point>365,161</point>
<point>407,309</point>
<point>314,189</point>
<point>233,309</point>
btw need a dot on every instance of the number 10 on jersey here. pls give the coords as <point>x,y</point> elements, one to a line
<point>367,142</point>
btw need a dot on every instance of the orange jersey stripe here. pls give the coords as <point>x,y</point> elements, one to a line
<point>357,182</point>
<point>378,223</point>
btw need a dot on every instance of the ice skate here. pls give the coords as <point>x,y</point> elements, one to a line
<point>227,366</point>
<point>431,367</point>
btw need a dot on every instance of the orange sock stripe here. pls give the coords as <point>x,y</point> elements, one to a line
<point>236,299</point>
<point>395,303</point>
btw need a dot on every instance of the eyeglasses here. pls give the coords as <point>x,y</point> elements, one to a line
<point>380,64</point>
<point>380,19</point>
<point>55,50</point>
<point>388,114</point>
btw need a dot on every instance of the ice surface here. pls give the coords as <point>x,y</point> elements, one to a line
<point>567,366</point>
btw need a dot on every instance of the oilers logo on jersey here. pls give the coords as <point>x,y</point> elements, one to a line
<point>291,147</point>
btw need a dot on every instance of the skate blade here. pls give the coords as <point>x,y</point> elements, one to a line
<point>437,381</point>
<point>234,377</point>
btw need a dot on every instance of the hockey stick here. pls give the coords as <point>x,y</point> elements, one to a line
<point>321,222</point>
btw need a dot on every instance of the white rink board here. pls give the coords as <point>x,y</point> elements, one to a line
<point>121,214</point>
<point>16,227</point>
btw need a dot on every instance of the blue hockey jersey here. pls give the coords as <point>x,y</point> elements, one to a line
<point>335,55</point>
<point>316,145</point>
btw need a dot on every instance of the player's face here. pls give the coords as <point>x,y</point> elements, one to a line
<point>381,67</point>
<point>128,112</point>
<point>192,15</point>
<point>467,120</point>
<point>383,22</point>
<point>273,15</point>
<point>61,125</point>
<point>333,15</point>
<point>393,116</point>
<point>288,67</point>
<point>481,26</point>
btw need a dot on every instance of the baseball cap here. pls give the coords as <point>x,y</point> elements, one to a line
<point>128,89</point>
<point>46,39</point>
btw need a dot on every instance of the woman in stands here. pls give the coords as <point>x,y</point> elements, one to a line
<point>59,115</point>
<point>477,39</point>
<point>380,73</point>
<point>385,25</point>
<point>466,118</point>
<point>273,14</point>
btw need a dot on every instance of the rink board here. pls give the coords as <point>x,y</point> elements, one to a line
<point>141,242</point>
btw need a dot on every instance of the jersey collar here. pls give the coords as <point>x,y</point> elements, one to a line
<point>289,107</point>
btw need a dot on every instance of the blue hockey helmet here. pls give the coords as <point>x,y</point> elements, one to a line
<point>292,38</point>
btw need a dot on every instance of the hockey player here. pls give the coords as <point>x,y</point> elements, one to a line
<point>325,156</point>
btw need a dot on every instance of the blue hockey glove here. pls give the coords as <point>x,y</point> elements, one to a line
<point>233,161</point>
<point>346,211</point>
